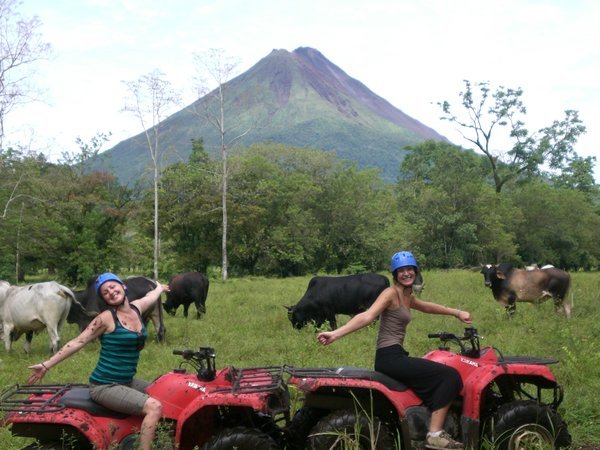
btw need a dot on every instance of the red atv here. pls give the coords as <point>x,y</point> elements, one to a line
<point>208,409</point>
<point>508,402</point>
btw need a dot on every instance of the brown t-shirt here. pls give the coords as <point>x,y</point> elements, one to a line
<point>392,326</point>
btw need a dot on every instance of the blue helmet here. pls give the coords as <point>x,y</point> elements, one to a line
<point>108,276</point>
<point>402,259</point>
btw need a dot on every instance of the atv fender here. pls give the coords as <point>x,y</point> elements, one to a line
<point>476,383</point>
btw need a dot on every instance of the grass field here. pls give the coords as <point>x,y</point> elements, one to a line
<point>247,325</point>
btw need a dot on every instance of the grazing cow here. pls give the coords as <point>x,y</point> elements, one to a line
<point>29,309</point>
<point>510,285</point>
<point>137,287</point>
<point>327,296</point>
<point>185,289</point>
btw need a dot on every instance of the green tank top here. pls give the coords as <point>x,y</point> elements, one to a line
<point>119,353</point>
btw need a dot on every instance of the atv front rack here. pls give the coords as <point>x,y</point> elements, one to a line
<point>254,380</point>
<point>38,398</point>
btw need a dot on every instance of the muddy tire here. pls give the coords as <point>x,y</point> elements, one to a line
<point>303,421</point>
<point>346,429</point>
<point>527,424</point>
<point>240,438</point>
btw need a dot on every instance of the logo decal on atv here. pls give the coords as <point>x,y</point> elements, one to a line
<point>196,386</point>
<point>468,361</point>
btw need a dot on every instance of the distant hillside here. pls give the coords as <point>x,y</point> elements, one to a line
<point>300,99</point>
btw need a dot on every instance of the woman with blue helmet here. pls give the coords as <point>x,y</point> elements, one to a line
<point>436,384</point>
<point>122,335</point>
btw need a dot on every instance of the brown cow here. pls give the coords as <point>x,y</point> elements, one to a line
<point>510,285</point>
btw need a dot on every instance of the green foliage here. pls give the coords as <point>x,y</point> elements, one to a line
<point>459,219</point>
<point>487,114</point>
<point>292,211</point>
<point>248,326</point>
<point>566,227</point>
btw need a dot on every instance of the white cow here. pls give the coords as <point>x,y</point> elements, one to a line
<point>29,309</point>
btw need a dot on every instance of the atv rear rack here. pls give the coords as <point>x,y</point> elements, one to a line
<point>254,380</point>
<point>39,398</point>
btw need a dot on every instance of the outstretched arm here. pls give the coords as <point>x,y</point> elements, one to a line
<point>434,308</point>
<point>148,300</point>
<point>95,329</point>
<point>360,320</point>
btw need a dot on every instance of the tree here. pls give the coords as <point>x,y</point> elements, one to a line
<point>151,97</point>
<point>220,68</point>
<point>524,154</point>
<point>442,191</point>
<point>20,47</point>
<point>190,210</point>
<point>88,151</point>
<point>560,227</point>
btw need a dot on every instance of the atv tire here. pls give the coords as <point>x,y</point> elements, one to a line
<point>240,438</point>
<point>345,429</point>
<point>527,424</point>
<point>303,421</point>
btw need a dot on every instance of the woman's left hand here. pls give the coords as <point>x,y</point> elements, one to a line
<point>464,316</point>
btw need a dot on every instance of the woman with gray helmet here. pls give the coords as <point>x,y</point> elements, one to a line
<point>436,384</point>
<point>122,336</point>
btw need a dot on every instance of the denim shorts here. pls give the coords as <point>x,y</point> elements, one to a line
<point>128,399</point>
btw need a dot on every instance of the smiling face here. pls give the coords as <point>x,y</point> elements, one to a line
<point>112,292</point>
<point>406,276</point>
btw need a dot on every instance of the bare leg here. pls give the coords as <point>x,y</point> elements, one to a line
<point>438,417</point>
<point>152,414</point>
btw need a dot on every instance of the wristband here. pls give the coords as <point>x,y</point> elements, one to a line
<point>44,366</point>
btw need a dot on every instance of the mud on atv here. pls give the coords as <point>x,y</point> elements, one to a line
<point>207,409</point>
<point>508,402</point>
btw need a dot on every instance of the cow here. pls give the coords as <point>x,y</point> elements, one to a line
<point>29,309</point>
<point>137,287</point>
<point>510,285</point>
<point>185,289</point>
<point>327,296</point>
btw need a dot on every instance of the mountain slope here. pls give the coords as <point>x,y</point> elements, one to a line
<point>300,99</point>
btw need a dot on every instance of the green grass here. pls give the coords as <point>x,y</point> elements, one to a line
<point>247,325</point>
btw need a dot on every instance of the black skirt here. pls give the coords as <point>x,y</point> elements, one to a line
<point>436,384</point>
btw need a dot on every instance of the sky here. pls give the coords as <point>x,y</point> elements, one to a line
<point>413,53</point>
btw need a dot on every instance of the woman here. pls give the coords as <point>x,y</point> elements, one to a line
<point>122,336</point>
<point>436,384</point>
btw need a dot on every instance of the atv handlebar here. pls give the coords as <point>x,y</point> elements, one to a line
<point>203,361</point>
<point>470,335</point>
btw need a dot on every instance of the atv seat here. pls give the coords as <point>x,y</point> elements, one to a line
<point>372,375</point>
<point>79,397</point>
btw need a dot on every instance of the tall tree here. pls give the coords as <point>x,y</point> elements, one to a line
<point>190,210</point>
<point>20,47</point>
<point>519,153</point>
<point>220,69</point>
<point>151,98</point>
<point>444,194</point>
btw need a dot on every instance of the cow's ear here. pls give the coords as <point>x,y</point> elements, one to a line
<point>501,275</point>
<point>289,308</point>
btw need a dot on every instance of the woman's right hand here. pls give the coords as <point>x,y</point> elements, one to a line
<point>39,370</point>
<point>326,337</point>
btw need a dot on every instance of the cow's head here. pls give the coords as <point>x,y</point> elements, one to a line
<point>488,271</point>
<point>300,316</point>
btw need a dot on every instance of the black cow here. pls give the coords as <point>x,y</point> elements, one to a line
<point>185,289</point>
<point>137,287</point>
<point>327,296</point>
<point>510,285</point>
